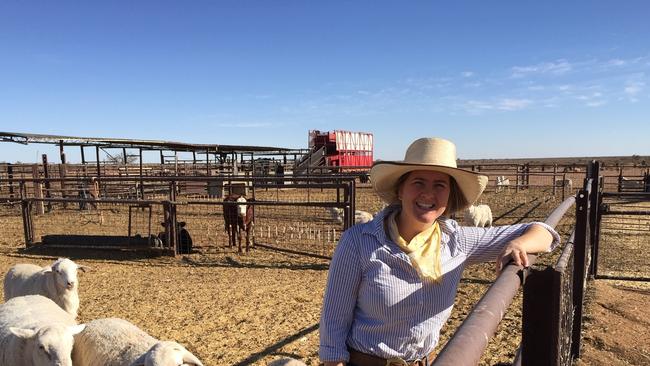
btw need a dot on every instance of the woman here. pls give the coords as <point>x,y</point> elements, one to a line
<point>392,281</point>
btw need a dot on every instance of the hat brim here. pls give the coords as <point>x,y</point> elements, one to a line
<point>384,177</point>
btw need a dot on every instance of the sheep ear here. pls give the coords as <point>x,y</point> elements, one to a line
<point>22,332</point>
<point>189,358</point>
<point>84,268</point>
<point>47,269</point>
<point>76,329</point>
<point>139,361</point>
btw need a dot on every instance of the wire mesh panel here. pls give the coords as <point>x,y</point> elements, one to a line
<point>624,239</point>
<point>99,225</point>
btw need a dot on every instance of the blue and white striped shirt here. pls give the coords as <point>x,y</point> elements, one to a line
<point>376,303</point>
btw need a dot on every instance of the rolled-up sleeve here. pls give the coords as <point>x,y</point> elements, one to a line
<point>340,300</point>
<point>485,244</point>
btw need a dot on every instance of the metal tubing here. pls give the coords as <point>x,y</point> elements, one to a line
<point>470,340</point>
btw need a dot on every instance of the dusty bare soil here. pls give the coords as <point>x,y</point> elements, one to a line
<point>248,309</point>
<point>616,324</point>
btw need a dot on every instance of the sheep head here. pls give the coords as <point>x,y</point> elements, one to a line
<point>167,353</point>
<point>65,273</point>
<point>51,345</point>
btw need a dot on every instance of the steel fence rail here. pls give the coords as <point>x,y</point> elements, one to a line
<point>467,345</point>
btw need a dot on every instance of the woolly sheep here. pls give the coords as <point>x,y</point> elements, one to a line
<point>34,331</point>
<point>58,282</point>
<point>480,216</point>
<point>360,217</point>
<point>502,183</point>
<point>286,361</point>
<point>117,342</point>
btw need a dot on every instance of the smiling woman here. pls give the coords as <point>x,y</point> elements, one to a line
<point>392,281</point>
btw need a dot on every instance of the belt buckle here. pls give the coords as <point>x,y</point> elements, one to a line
<point>396,361</point>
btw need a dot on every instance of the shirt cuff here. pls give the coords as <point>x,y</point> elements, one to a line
<point>329,354</point>
<point>556,237</point>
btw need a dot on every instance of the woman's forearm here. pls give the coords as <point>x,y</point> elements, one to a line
<point>535,239</point>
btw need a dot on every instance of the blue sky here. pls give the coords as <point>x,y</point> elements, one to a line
<point>501,79</point>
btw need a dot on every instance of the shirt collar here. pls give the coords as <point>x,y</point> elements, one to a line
<point>376,226</point>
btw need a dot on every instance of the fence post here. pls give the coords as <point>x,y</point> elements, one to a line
<point>10,177</point>
<point>28,225</point>
<point>46,175</point>
<point>594,219</point>
<point>63,173</point>
<point>580,262</point>
<point>554,180</point>
<point>38,190</point>
<point>539,328</point>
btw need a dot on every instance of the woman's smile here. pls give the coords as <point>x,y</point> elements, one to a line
<point>424,195</point>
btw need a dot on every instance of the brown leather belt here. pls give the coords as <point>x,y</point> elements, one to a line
<point>363,359</point>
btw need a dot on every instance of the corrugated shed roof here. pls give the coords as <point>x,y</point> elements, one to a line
<point>29,138</point>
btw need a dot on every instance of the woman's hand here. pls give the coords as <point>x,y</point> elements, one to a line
<point>334,363</point>
<point>536,239</point>
<point>514,251</point>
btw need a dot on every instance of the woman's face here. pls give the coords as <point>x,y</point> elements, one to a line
<point>424,195</point>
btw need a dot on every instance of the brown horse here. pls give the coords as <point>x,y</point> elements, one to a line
<point>238,216</point>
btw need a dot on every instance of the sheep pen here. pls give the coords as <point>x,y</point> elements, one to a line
<point>245,309</point>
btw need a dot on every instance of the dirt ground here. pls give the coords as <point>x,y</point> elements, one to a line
<point>616,324</point>
<point>248,309</point>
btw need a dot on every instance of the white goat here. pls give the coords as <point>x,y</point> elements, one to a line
<point>58,282</point>
<point>117,342</point>
<point>480,216</point>
<point>360,217</point>
<point>286,361</point>
<point>34,331</point>
<point>502,183</point>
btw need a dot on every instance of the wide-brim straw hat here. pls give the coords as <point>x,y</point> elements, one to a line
<point>429,153</point>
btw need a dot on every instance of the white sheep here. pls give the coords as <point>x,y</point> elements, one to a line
<point>286,361</point>
<point>58,282</point>
<point>502,183</point>
<point>360,217</point>
<point>34,331</point>
<point>480,216</point>
<point>117,342</point>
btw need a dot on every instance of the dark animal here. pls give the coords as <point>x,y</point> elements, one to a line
<point>364,178</point>
<point>183,238</point>
<point>184,241</point>
<point>238,216</point>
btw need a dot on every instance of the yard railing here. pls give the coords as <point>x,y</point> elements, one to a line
<point>553,297</point>
<point>292,211</point>
<point>470,340</point>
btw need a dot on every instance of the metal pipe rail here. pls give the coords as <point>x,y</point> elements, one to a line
<point>181,178</point>
<point>467,345</point>
<point>185,203</point>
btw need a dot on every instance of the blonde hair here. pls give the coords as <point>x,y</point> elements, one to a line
<point>457,201</point>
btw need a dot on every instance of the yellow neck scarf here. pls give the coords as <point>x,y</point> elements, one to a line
<point>423,249</point>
